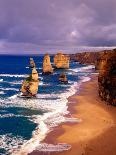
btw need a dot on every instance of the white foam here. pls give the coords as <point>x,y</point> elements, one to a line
<point>83,69</point>
<point>13,75</point>
<point>13,89</point>
<point>8,142</point>
<point>85,79</point>
<point>2,93</point>
<point>56,111</point>
<point>53,148</point>
<point>1,80</point>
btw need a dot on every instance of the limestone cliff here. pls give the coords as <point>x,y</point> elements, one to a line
<point>61,61</point>
<point>105,63</point>
<point>47,67</point>
<point>107,76</point>
<point>85,57</point>
<point>30,85</point>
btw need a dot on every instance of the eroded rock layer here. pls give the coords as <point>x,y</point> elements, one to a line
<point>105,63</point>
<point>61,61</point>
<point>47,67</point>
<point>30,85</point>
<point>107,77</point>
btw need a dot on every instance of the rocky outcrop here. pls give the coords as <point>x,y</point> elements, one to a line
<point>32,63</point>
<point>63,78</point>
<point>30,85</point>
<point>107,76</point>
<point>47,67</point>
<point>85,57</point>
<point>61,61</point>
<point>105,63</point>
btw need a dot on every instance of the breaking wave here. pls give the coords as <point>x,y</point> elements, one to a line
<point>83,69</point>
<point>13,75</point>
<point>56,107</point>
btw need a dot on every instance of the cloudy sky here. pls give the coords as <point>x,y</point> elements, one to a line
<point>36,25</point>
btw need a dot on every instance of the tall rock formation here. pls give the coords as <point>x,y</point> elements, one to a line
<point>32,63</point>
<point>61,61</point>
<point>47,67</point>
<point>30,85</point>
<point>107,77</point>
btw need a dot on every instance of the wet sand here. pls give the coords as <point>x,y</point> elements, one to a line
<point>96,134</point>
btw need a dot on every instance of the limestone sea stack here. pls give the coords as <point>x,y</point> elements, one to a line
<point>30,85</point>
<point>61,61</point>
<point>47,67</point>
<point>32,63</point>
<point>63,78</point>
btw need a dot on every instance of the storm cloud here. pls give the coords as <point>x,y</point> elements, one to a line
<point>33,24</point>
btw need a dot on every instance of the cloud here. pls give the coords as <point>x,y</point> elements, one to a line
<point>56,23</point>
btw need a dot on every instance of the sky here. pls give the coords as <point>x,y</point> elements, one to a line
<point>34,26</point>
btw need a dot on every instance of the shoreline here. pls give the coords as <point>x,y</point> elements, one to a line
<point>97,119</point>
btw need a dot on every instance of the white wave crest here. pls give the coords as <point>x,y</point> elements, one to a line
<point>1,80</point>
<point>13,89</point>
<point>13,75</point>
<point>83,69</point>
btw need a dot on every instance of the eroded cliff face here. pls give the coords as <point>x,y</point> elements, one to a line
<point>47,67</point>
<point>85,57</point>
<point>107,77</point>
<point>105,63</point>
<point>61,61</point>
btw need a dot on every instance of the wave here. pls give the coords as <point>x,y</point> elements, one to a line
<point>83,69</point>
<point>7,89</point>
<point>55,114</point>
<point>2,93</point>
<point>13,75</point>
<point>1,80</point>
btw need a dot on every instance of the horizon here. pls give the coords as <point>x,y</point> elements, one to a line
<point>55,51</point>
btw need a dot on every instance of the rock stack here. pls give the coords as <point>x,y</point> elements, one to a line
<point>63,78</point>
<point>107,77</point>
<point>47,67</point>
<point>30,85</point>
<point>32,63</point>
<point>61,61</point>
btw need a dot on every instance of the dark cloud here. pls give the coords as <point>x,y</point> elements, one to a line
<point>31,23</point>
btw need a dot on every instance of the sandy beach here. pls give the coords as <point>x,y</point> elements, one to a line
<point>96,134</point>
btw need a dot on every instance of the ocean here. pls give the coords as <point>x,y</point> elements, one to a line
<point>24,123</point>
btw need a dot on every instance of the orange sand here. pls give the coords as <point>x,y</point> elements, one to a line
<point>96,134</point>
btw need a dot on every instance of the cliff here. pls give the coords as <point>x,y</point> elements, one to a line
<point>85,57</point>
<point>107,77</point>
<point>105,63</point>
<point>61,61</point>
<point>47,67</point>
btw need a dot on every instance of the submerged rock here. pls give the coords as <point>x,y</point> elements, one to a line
<point>47,67</point>
<point>61,61</point>
<point>30,85</point>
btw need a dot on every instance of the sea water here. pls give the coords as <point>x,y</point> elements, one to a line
<point>24,123</point>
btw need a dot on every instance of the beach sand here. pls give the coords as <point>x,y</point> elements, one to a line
<point>96,134</point>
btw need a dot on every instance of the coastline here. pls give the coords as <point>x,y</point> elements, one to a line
<point>94,133</point>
